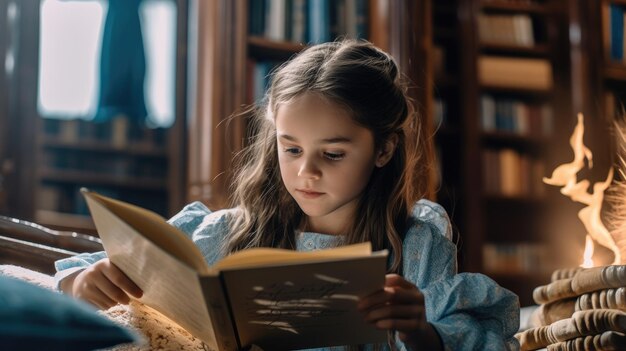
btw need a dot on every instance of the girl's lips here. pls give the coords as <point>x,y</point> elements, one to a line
<point>309,194</point>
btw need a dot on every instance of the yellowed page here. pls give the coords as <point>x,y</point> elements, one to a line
<point>154,228</point>
<point>169,286</point>
<point>269,256</point>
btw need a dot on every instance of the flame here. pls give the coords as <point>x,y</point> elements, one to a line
<point>565,176</point>
<point>588,254</point>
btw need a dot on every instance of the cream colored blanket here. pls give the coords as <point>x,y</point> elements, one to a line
<point>160,333</point>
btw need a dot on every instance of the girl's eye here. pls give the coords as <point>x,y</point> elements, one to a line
<point>293,150</point>
<point>334,156</point>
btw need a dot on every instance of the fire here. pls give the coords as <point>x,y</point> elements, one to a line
<point>588,254</point>
<point>565,176</point>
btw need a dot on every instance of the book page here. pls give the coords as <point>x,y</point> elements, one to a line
<point>305,305</point>
<point>272,256</point>
<point>169,285</point>
<point>154,228</point>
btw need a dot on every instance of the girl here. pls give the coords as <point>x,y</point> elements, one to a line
<point>338,157</point>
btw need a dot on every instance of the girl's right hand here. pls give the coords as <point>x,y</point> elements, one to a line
<point>104,285</point>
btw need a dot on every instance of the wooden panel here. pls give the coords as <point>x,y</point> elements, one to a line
<point>30,255</point>
<point>5,127</point>
<point>217,93</point>
<point>24,114</point>
<point>36,247</point>
<point>404,29</point>
<point>176,144</point>
<point>35,233</point>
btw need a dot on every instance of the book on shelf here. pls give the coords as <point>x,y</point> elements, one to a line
<point>298,21</point>
<point>509,173</point>
<point>613,31</point>
<point>515,30</point>
<point>276,26</point>
<point>438,55</point>
<point>308,21</point>
<point>515,72</point>
<point>69,131</point>
<point>611,106</point>
<point>258,73</point>
<point>510,176</point>
<point>49,198</point>
<point>273,298</point>
<point>515,116</point>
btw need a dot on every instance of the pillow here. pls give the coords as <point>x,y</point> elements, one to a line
<point>34,318</point>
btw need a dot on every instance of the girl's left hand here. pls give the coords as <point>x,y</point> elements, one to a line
<point>400,307</point>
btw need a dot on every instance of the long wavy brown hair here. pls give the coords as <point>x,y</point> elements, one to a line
<point>360,77</point>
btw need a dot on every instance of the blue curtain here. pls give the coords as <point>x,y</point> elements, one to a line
<point>122,64</point>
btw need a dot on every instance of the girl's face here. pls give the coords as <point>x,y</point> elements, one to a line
<point>325,160</point>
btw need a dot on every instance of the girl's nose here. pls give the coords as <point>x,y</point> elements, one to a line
<point>308,169</point>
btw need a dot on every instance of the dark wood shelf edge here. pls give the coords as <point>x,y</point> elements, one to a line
<point>538,50</point>
<point>519,275</point>
<point>505,136</point>
<point>105,147</point>
<point>55,219</point>
<point>263,48</point>
<point>532,200</point>
<point>90,178</point>
<point>535,92</point>
<point>512,7</point>
<point>615,71</point>
<point>616,2</point>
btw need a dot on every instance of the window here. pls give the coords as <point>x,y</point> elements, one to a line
<point>70,48</point>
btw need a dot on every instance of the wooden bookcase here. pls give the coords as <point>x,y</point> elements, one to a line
<point>495,129</point>
<point>127,163</point>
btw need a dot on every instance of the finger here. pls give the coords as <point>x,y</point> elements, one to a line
<point>395,312</point>
<point>100,299</point>
<point>391,295</point>
<point>405,296</point>
<point>395,280</point>
<point>96,297</point>
<point>110,289</point>
<point>120,279</point>
<point>378,298</point>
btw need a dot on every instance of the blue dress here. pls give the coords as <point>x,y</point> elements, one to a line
<point>468,310</point>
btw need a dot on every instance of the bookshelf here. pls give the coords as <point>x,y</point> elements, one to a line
<point>498,97</point>
<point>114,158</point>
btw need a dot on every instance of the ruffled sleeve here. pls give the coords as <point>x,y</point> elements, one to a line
<point>207,229</point>
<point>468,310</point>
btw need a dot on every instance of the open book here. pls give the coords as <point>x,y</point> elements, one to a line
<point>273,298</point>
